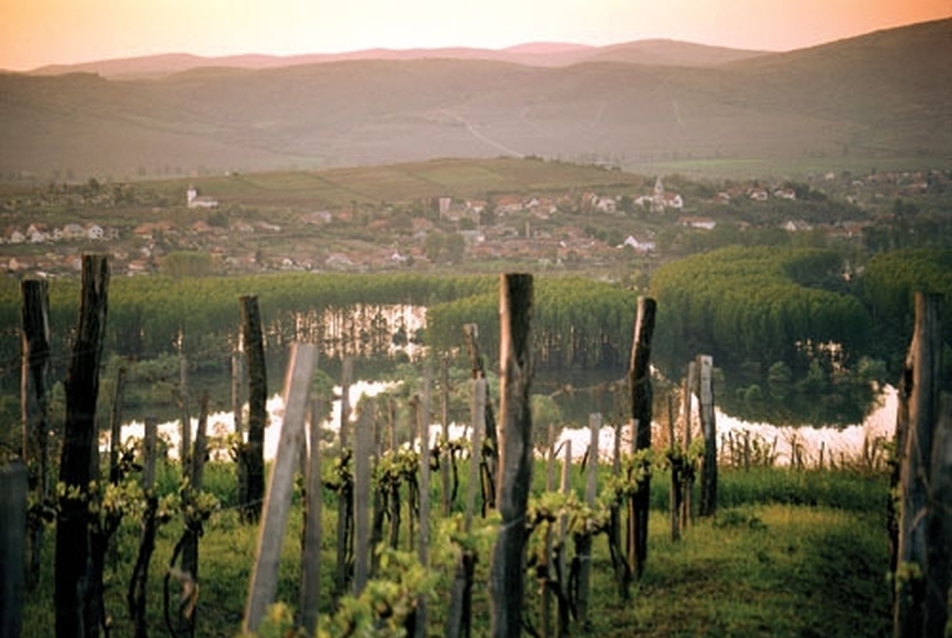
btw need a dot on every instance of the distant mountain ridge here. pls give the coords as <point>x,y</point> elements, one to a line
<point>884,97</point>
<point>546,54</point>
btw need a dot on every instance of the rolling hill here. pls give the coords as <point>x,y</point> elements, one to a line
<point>545,54</point>
<point>881,98</point>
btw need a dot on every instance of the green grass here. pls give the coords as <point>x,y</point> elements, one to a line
<point>788,554</point>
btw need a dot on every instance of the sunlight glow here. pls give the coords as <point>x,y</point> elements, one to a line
<point>40,32</point>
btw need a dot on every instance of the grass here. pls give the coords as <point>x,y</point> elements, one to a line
<point>788,554</point>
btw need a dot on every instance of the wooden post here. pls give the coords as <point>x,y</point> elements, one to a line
<point>619,561</point>
<point>639,384</point>
<point>507,574</point>
<point>264,577</point>
<point>345,504</point>
<point>346,374</point>
<point>79,452</point>
<point>362,451</point>
<point>115,425</point>
<point>185,448</point>
<point>138,584</point>
<point>560,564</point>
<point>193,528</point>
<point>253,454</point>
<point>377,506</point>
<point>705,365</point>
<point>583,547</point>
<point>13,532</point>
<point>459,614</point>
<point>922,568</point>
<point>676,459</point>
<point>476,444</point>
<point>687,511</point>
<point>490,450</point>
<point>313,530</point>
<point>237,384</point>
<point>547,569</point>
<point>445,421</point>
<point>392,421</point>
<point>35,409</point>
<point>423,545</point>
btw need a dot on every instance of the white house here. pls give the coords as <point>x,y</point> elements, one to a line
<point>36,235</point>
<point>199,201</point>
<point>703,223</point>
<point>646,246</point>
<point>73,231</point>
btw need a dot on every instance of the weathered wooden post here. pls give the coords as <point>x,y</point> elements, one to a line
<point>185,442</point>
<point>115,425</point>
<point>193,524</point>
<point>583,546</point>
<point>490,450</point>
<point>363,448</point>
<point>345,505</point>
<point>562,579</point>
<point>264,577</point>
<point>313,531</point>
<point>35,409</point>
<point>79,451</point>
<point>251,490</point>
<point>445,459</point>
<point>507,573</point>
<point>13,532</point>
<point>688,479</point>
<point>459,615</point>
<point>639,384</point>
<point>922,572</point>
<point>136,595</point>
<point>676,460</point>
<point>547,569</point>
<point>423,545</point>
<point>705,366</point>
<point>237,383</point>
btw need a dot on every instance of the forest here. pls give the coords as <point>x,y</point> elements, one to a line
<point>784,324</point>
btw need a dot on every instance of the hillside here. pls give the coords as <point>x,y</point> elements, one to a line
<point>883,98</point>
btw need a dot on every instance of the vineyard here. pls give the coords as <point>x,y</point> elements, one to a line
<point>370,529</point>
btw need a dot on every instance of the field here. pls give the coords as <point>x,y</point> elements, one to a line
<point>788,554</point>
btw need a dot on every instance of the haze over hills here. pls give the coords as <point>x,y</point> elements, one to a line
<point>884,97</point>
<point>661,52</point>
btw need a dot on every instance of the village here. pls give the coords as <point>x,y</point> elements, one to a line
<point>545,231</point>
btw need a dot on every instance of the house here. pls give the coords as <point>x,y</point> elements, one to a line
<point>444,204</point>
<point>797,226</point>
<point>702,223</point>
<point>72,232</point>
<point>673,200</point>
<point>605,204</point>
<point>640,246</point>
<point>758,194</point>
<point>95,232</point>
<point>199,201</point>
<point>785,193</point>
<point>37,234</point>
<point>659,200</point>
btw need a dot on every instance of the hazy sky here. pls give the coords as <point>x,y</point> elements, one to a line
<point>39,32</point>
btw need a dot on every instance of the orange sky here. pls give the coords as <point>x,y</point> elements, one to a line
<point>38,32</point>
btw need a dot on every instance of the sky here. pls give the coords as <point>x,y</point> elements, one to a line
<point>34,33</point>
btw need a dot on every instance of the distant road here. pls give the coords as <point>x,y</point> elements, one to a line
<point>482,137</point>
